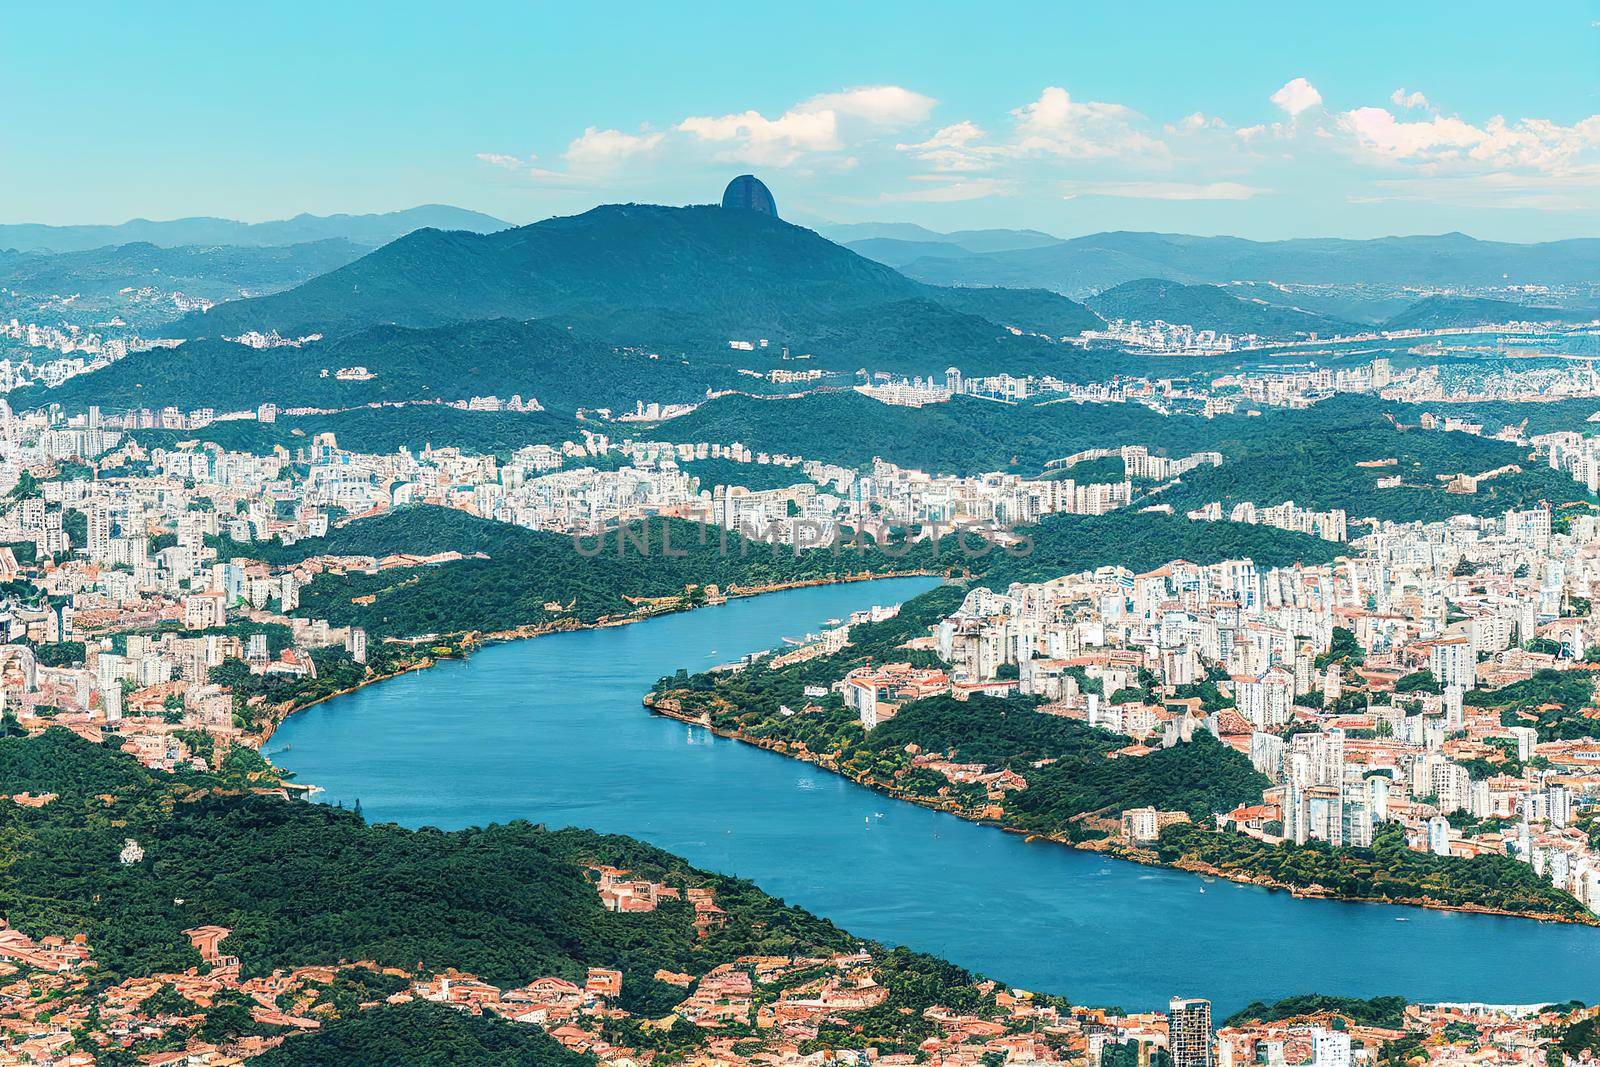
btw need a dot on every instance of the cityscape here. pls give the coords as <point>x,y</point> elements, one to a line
<point>576,538</point>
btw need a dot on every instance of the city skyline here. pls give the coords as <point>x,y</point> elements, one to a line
<point>1217,122</point>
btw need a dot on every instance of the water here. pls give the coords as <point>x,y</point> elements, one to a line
<point>552,730</point>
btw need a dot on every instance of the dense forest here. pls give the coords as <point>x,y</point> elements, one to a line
<point>969,435</point>
<point>1387,871</point>
<point>422,1035</point>
<point>1320,471</point>
<point>589,578</point>
<point>384,430</point>
<point>500,357</point>
<point>533,577</point>
<point>301,884</point>
<point>1387,1012</point>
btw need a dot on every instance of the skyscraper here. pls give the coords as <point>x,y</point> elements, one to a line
<point>1189,1032</point>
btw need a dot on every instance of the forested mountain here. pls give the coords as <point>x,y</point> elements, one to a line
<point>1086,264</point>
<point>299,884</point>
<point>369,230</point>
<point>1441,312</point>
<point>385,429</point>
<point>1209,307</point>
<point>217,272</point>
<point>670,279</point>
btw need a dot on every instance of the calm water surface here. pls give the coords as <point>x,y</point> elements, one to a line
<point>552,730</point>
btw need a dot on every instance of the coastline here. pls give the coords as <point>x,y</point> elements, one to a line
<point>473,639</point>
<point>667,708</point>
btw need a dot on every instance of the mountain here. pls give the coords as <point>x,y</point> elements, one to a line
<point>1353,303</point>
<point>895,253</point>
<point>673,280</point>
<point>215,272</point>
<point>1208,307</point>
<point>366,230</point>
<point>1032,310</point>
<point>1098,261</point>
<point>849,234</point>
<point>1443,312</point>
<point>501,357</point>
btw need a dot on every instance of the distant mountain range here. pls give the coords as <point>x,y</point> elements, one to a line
<point>893,234</point>
<point>1210,307</point>
<point>368,230</point>
<point>673,280</point>
<point>639,302</point>
<point>1086,265</point>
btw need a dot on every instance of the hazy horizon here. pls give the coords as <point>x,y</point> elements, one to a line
<point>1240,119</point>
<point>803,220</point>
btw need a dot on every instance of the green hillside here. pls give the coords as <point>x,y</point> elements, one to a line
<point>681,279</point>
<point>302,884</point>
<point>1208,307</point>
<point>1443,312</point>
<point>488,358</point>
<point>218,272</point>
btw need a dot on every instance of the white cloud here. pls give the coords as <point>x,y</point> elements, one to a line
<point>1377,130</point>
<point>751,137</point>
<point>814,125</point>
<point>1409,101</point>
<point>1150,190</point>
<point>1296,97</point>
<point>1057,125</point>
<point>882,105</point>
<point>1528,144</point>
<point>1196,122</point>
<point>500,159</point>
<point>958,147</point>
<point>597,149</point>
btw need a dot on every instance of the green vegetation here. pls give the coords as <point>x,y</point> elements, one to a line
<point>534,577</point>
<point>1078,779</point>
<point>1578,1042</point>
<point>385,430</point>
<point>527,570</point>
<point>1444,312</point>
<point>500,358</point>
<point>673,281</point>
<point>1320,471</point>
<point>1387,1012</point>
<point>1063,544</point>
<point>302,884</point>
<point>1551,701</point>
<point>1202,778</point>
<point>1387,871</point>
<point>1209,307</point>
<point>422,1035</point>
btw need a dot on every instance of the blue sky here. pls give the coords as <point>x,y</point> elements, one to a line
<point>1262,120</point>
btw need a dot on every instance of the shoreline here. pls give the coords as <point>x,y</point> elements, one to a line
<point>473,640</point>
<point>1105,847</point>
